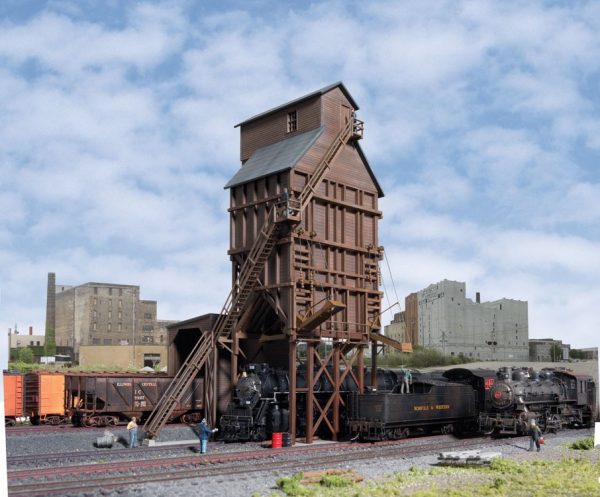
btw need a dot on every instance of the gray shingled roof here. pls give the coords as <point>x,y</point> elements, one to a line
<point>274,158</point>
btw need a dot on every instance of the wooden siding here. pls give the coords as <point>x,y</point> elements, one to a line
<point>333,252</point>
<point>273,127</point>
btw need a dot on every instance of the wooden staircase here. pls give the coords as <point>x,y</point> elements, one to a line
<point>238,297</point>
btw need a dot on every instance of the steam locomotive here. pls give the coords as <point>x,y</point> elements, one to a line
<point>260,404</point>
<point>457,400</point>
<point>493,402</point>
<point>556,398</point>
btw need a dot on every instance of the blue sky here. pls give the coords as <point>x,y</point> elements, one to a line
<point>482,126</point>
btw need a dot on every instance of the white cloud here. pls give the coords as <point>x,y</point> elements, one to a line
<point>117,136</point>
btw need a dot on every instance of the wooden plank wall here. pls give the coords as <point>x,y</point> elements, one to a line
<point>273,128</point>
<point>333,252</point>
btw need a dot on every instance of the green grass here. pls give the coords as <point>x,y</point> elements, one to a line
<point>586,443</point>
<point>569,477</point>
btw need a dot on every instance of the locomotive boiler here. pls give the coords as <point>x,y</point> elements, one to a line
<point>555,398</point>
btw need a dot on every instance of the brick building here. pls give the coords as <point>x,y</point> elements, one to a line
<point>104,314</point>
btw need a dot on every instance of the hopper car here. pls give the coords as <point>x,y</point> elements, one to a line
<point>92,399</point>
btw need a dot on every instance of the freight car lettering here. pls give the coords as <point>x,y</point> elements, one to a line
<point>441,407</point>
<point>422,408</point>
<point>148,384</point>
<point>123,384</point>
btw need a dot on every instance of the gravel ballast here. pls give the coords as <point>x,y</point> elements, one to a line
<point>264,482</point>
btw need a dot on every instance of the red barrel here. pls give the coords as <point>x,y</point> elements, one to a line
<point>276,440</point>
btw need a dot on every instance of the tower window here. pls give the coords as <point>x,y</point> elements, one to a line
<point>292,121</point>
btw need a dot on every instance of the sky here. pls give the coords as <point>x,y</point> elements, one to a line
<point>482,125</point>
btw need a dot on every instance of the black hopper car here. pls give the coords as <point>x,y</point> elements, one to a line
<point>487,401</point>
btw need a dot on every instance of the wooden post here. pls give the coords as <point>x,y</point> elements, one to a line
<point>373,363</point>
<point>293,395</point>
<point>361,369</point>
<point>337,351</point>
<point>310,378</point>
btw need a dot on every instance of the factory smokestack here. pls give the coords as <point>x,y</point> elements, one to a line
<point>477,297</point>
<point>50,341</point>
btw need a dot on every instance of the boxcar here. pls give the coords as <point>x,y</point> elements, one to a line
<point>432,404</point>
<point>14,406</point>
<point>104,399</point>
<point>45,397</point>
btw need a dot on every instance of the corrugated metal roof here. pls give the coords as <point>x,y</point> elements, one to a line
<point>301,99</point>
<point>274,158</point>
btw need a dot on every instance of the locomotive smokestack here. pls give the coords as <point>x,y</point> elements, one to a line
<point>477,297</point>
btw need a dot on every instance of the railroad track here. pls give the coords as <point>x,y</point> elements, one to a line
<point>124,454</point>
<point>58,481</point>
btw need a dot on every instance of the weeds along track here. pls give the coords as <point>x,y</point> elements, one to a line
<point>111,475</point>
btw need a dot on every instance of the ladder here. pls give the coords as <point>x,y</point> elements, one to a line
<point>238,297</point>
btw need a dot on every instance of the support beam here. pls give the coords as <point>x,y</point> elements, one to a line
<point>310,379</point>
<point>292,376</point>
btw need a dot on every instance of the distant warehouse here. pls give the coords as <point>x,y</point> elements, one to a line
<point>442,317</point>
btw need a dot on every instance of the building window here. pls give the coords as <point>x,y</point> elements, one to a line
<point>151,360</point>
<point>110,302</point>
<point>96,341</point>
<point>107,341</point>
<point>109,314</point>
<point>147,315</point>
<point>95,314</point>
<point>120,326</point>
<point>110,291</point>
<point>292,121</point>
<point>120,292</point>
<point>95,290</point>
<point>120,302</point>
<point>147,327</point>
<point>120,315</point>
<point>95,300</point>
<point>109,327</point>
<point>95,326</point>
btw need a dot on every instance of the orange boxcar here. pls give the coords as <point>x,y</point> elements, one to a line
<point>13,398</point>
<point>45,397</point>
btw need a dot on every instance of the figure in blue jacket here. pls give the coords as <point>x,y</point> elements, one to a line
<point>204,431</point>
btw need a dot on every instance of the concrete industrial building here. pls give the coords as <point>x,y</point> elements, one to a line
<point>442,317</point>
<point>103,314</point>
<point>397,328</point>
<point>590,353</point>
<point>548,349</point>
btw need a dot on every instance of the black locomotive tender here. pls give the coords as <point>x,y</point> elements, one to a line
<point>457,400</point>
<point>480,400</point>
